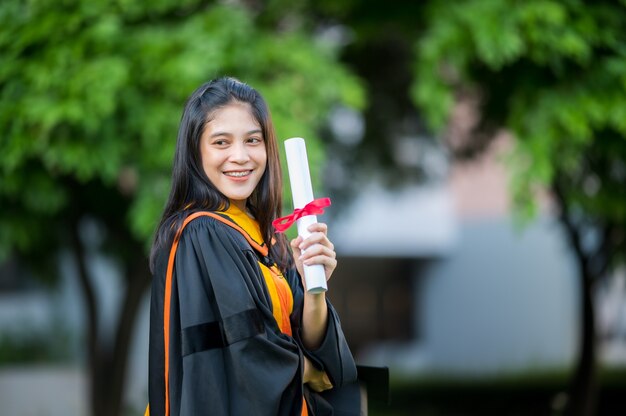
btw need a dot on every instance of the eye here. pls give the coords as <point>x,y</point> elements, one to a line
<point>255,140</point>
<point>220,142</point>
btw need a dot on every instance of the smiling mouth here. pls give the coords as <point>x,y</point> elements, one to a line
<point>238,174</point>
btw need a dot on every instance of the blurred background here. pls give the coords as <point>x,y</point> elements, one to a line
<point>475,152</point>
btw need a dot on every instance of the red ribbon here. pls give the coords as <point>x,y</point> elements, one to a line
<point>314,207</point>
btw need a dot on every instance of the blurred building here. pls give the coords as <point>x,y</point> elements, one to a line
<point>438,278</point>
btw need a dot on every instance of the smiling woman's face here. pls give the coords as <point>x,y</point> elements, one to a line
<point>233,152</point>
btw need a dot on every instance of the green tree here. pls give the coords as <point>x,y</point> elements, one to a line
<point>91,92</point>
<point>554,74</point>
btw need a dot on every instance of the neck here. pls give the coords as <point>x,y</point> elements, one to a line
<point>239,204</point>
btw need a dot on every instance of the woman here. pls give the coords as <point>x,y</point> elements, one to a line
<point>232,332</point>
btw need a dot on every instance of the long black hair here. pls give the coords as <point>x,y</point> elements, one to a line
<point>191,188</point>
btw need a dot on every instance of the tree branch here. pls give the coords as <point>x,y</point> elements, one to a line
<point>572,230</point>
<point>138,279</point>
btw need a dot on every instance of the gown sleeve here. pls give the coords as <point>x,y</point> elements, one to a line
<point>227,356</point>
<point>333,355</point>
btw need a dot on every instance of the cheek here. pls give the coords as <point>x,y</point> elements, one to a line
<point>204,158</point>
<point>209,161</point>
<point>263,159</point>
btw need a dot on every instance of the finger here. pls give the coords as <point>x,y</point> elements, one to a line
<point>329,263</point>
<point>296,241</point>
<point>295,246</point>
<point>316,238</point>
<point>318,227</point>
<point>317,250</point>
<point>309,259</point>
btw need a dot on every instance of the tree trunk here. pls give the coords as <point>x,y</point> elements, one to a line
<point>583,388</point>
<point>93,348</point>
<point>107,359</point>
<point>117,362</point>
<point>583,385</point>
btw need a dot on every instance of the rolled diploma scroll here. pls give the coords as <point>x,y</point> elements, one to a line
<point>302,191</point>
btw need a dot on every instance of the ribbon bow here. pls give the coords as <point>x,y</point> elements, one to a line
<point>312,208</point>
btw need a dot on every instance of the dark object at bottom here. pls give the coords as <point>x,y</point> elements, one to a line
<point>352,399</point>
<point>376,381</point>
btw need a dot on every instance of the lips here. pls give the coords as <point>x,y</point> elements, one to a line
<point>238,173</point>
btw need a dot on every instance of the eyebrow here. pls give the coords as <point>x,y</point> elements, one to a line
<point>223,133</point>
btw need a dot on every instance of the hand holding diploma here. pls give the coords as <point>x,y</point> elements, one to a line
<point>313,252</point>
<point>317,252</point>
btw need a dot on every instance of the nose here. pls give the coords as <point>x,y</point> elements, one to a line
<point>239,153</point>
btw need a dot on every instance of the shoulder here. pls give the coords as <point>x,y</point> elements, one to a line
<point>211,228</point>
<point>206,220</point>
<point>200,237</point>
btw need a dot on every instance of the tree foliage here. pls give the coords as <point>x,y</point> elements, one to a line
<point>553,73</point>
<point>93,91</point>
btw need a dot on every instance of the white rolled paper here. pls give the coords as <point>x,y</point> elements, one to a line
<point>302,191</point>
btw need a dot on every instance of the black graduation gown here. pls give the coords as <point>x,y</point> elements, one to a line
<point>227,355</point>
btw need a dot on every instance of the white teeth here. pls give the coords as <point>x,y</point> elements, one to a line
<point>237,174</point>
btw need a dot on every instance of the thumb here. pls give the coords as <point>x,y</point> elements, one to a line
<point>295,243</point>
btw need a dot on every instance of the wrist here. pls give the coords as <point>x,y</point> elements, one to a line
<point>315,300</point>
<point>315,306</point>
